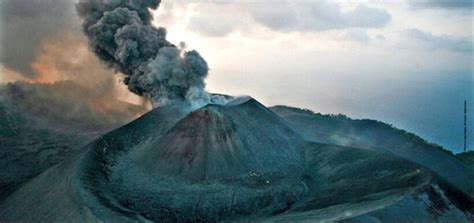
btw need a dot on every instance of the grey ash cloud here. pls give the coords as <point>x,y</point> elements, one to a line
<point>27,23</point>
<point>35,8</point>
<point>121,35</point>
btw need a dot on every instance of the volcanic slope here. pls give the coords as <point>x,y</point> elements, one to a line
<point>375,135</point>
<point>234,162</point>
<point>41,124</point>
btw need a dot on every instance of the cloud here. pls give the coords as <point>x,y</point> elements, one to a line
<point>26,23</point>
<point>318,16</point>
<point>380,37</point>
<point>210,26</point>
<point>35,8</point>
<point>171,12</point>
<point>442,4</point>
<point>358,36</point>
<point>434,42</point>
<point>220,19</point>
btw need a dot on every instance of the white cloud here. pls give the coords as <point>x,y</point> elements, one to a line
<point>431,41</point>
<point>358,36</point>
<point>219,19</point>
<point>318,16</point>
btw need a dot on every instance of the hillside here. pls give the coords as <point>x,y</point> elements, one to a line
<point>376,135</point>
<point>41,124</point>
<point>233,162</point>
<point>467,157</point>
<point>27,147</point>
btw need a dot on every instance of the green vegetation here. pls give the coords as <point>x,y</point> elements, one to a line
<point>467,157</point>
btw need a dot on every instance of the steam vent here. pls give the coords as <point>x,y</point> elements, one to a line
<point>233,162</point>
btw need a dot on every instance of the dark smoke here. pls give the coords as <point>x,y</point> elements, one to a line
<point>25,24</point>
<point>121,34</point>
<point>67,105</point>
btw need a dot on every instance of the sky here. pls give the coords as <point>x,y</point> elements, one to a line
<point>407,63</point>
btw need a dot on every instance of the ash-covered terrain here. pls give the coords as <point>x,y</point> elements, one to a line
<point>244,162</point>
<point>41,123</point>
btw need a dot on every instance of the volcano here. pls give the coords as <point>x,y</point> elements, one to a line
<point>238,161</point>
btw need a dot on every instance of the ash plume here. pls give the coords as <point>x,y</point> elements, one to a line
<point>121,34</point>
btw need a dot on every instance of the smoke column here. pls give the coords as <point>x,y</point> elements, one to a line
<point>121,34</point>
